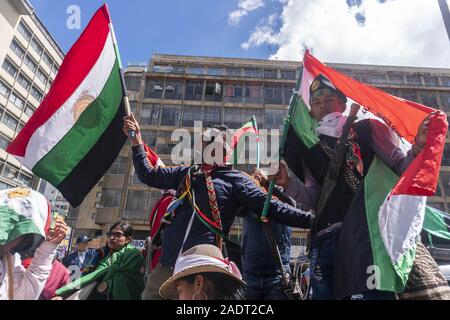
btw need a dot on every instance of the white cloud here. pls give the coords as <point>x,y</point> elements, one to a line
<point>397,32</point>
<point>263,33</point>
<point>245,6</point>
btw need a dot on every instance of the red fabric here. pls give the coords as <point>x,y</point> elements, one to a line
<point>77,64</point>
<point>239,133</point>
<point>158,212</point>
<point>401,115</point>
<point>26,262</point>
<point>422,175</point>
<point>151,156</point>
<point>59,277</point>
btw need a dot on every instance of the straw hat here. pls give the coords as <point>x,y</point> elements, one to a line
<point>202,258</point>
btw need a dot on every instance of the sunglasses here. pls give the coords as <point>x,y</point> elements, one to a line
<point>115,235</point>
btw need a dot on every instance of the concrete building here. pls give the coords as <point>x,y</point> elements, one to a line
<point>30,59</point>
<point>174,91</point>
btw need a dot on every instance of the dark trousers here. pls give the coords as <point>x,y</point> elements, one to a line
<point>323,250</point>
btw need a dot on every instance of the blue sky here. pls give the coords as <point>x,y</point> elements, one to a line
<point>389,32</point>
<point>196,27</point>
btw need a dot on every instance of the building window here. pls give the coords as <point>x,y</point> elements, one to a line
<point>253,73</point>
<point>119,166</point>
<point>274,118</point>
<point>396,79</point>
<point>216,71</point>
<point>150,114</point>
<point>4,89</point>
<point>41,76</point>
<point>233,92</point>
<point>212,115</point>
<point>110,198</point>
<point>273,95</point>
<point>446,156</point>
<point>36,93</point>
<point>429,99</point>
<point>24,30</point>
<point>10,68</point>
<point>270,74</point>
<point>194,90</point>
<point>47,60</point>
<point>174,90</point>
<point>445,81</point>
<point>164,142</point>
<point>10,172</point>
<point>256,112</point>
<point>25,179</point>
<point>288,74</point>
<point>23,81</point>
<point>17,49</point>
<point>234,117</point>
<point>431,81</point>
<point>287,94</point>
<point>29,62</point>
<point>29,110</point>
<point>149,137</point>
<point>196,70</point>
<point>253,94</point>
<point>445,99</point>
<point>55,68</point>
<point>10,120</point>
<point>409,95</point>
<point>170,115</point>
<point>36,46</point>
<point>234,72</point>
<point>213,91</point>
<point>137,206</point>
<point>414,80</point>
<point>17,100</point>
<point>191,114</point>
<point>445,178</point>
<point>133,83</point>
<point>377,78</point>
<point>4,141</point>
<point>154,89</point>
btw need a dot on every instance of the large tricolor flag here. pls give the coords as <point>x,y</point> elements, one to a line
<point>76,133</point>
<point>394,207</point>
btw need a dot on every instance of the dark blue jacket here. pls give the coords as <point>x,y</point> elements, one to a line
<point>89,262</point>
<point>257,256</point>
<point>233,190</point>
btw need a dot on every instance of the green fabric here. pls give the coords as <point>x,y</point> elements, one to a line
<point>13,225</point>
<point>303,124</point>
<point>434,223</point>
<point>59,162</point>
<point>120,270</point>
<point>379,180</point>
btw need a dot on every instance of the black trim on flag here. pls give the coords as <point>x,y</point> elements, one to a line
<point>97,161</point>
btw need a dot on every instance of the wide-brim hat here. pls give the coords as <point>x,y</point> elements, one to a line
<point>321,82</point>
<point>202,258</point>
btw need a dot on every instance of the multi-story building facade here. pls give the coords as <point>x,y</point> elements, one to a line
<point>174,91</point>
<point>30,59</point>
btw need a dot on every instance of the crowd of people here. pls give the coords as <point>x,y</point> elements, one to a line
<point>196,260</point>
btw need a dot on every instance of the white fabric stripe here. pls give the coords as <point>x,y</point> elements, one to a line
<point>33,207</point>
<point>52,131</point>
<point>196,260</point>
<point>400,221</point>
<point>307,79</point>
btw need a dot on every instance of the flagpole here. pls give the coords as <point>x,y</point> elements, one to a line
<point>287,122</point>
<point>126,100</point>
<point>255,125</point>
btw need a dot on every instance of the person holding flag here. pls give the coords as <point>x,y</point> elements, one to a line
<point>208,197</point>
<point>336,160</point>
